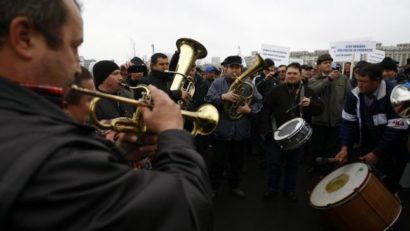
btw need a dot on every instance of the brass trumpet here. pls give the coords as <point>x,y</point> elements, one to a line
<point>205,119</point>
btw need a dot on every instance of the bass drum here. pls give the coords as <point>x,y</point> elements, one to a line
<point>354,199</point>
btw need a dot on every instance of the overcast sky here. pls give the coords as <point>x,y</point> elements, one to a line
<point>118,29</point>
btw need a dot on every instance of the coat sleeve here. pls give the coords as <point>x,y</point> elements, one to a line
<point>350,121</point>
<point>319,85</point>
<point>265,124</point>
<point>256,104</point>
<point>214,94</point>
<point>316,106</point>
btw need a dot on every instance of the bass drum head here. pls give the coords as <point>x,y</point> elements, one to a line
<point>339,184</point>
<point>288,128</point>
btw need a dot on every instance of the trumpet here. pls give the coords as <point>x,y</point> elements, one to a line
<point>205,119</point>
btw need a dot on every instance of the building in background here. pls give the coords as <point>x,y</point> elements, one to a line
<point>400,53</point>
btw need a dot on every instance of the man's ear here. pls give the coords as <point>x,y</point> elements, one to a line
<point>21,37</point>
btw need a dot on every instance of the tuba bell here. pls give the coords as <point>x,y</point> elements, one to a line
<point>189,51</point>
<point>400,100</point>
<point>243,89</point>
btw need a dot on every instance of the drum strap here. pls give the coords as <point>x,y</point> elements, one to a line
<point>274,125</point>
<point>301,96</point>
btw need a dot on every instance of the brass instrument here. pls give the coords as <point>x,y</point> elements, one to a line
<point>400,100</point>
<point>189,51</point>
<point>245,90</point>
<point>205,119</point>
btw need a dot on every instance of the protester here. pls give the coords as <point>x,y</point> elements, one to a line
<point>56,174</point>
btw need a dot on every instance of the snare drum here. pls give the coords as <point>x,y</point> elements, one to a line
<point>293,134</point>
<point>354,199</point>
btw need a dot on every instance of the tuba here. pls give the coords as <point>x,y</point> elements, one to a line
<point>205,119</point>
<point>245,90</point>
<point>189,51</point>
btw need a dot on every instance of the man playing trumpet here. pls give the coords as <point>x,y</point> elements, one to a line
<point>56,175</point>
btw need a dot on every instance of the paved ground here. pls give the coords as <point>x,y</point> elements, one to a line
<point>255,214</point>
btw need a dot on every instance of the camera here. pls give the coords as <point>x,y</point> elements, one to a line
<point>136,69</point>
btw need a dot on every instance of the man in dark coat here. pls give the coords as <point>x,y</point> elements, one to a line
<point>55,174</point>
<point>285,102</point>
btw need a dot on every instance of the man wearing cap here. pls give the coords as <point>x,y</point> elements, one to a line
<point>332,90</point>
<point>211,73</point>
<point>306,73</point>
<point>230,135</point>
<point>267,79</point>
<point>108,79</point>
<point>390,73</point>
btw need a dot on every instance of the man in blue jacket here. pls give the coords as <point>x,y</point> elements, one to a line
<point>369,120</point>
<point>231,135</point>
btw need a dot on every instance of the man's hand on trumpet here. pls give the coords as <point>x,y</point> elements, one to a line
<point>164,115</point>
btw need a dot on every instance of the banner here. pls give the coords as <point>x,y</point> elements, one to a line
<point>376,57</point>
<point>343,51</point>
<point>280,55</point>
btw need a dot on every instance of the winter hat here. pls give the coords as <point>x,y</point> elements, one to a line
<point>269,63</point>
<point>232,60</point>
<point>389,64</point>
<point>102,70</point>
<point>324,57</point>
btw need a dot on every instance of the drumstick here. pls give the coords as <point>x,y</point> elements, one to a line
<point>297,105</point>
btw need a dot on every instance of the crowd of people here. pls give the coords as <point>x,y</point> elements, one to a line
<point>60,172</point>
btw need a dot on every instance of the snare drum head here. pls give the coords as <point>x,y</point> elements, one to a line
<point>339,184</point>
<point>288,128</point>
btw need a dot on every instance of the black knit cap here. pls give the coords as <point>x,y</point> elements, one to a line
<point>389,64</point>
<point>269,62</point>
<point>230,60</point>
<point>102,70</point>
<point>324,57</point>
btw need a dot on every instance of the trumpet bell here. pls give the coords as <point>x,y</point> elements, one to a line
<point>205,119</point>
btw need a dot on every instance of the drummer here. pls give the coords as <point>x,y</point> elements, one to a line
<point>369,119</point>
<point>284,102</point>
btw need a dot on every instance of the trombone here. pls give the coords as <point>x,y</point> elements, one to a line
<point>205,119</point>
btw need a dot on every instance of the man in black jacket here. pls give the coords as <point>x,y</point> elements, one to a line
<point>55,174</point>
<point>108,79</point>
<point>285,102</point>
